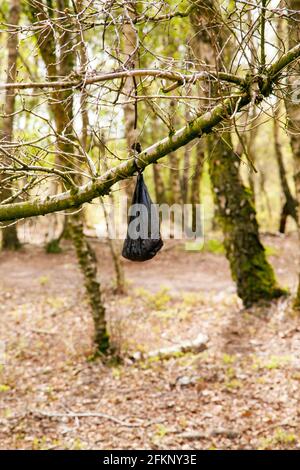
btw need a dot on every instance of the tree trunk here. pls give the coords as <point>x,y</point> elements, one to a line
<point>48,49</point>
<point>10,239</point>
<point>290,206</point>
<point>115,253</point>
<point>159,186</point>
<point>175,195</point>
<point>236,214</point>
<point>293,108</point>
<point>85,253</point>
<point>119,270</point>
<point>250,269</point>
<point>88,264</point>
<point>195,183</point>
<point>174,179</point>
<point>130,46</point>
<point>63,116</point>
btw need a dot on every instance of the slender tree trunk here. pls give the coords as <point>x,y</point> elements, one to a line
<point>62,108</point>
<point>174,179</point>
<point>130,47</point>
<point>88,264</point>
<point>175,195</point>
<point>290,205</point>
<point>185,174</point>
<point>250,147</point>
<point>195,182</point>
<point>10,239</point>
<point>85,253</point>
<point>48,49</point>
<point>159,185</point>
<point>119,270</point>
<point>293,108</point>
<point>250,269</point>
<point>115,253</point>
<point>186,162</point>
<point>120,279</point>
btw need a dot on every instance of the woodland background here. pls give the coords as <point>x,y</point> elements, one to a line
<point>83,332</point>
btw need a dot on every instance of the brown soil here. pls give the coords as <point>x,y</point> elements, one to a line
<point>242,392</point>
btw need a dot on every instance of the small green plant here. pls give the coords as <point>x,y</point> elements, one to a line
<point>193,299</point>
<point>270,363</point>
<point>280,437</point>
<point>214,246</point>
<point>233,384</point>
<point>77,444</point>
<point>55,302</point>
<point>161,431</point>
<point>53,247</point>
<point>44,280</point>
<point>157,301</point>
<point>228,359</point>
<point>230,373</point>
<point>271,251</point>
<point>4,388</point>
<point>116,373</point>
<point>39,443</point>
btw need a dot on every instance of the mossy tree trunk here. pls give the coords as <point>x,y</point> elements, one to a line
<point>88,264</point>
<point>236,214</point>
<point>63,116</point>
<point>48,48</point>
<point>10,239</point>
<point>293,107</point>
<point>250,269</point>
<point>86,255</point>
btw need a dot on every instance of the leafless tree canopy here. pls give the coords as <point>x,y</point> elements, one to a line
<point>89,61</point>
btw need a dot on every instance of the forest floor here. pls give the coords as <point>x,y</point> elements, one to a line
<point>241,393</point>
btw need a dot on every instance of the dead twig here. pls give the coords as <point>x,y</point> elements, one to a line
<point>71,414</point>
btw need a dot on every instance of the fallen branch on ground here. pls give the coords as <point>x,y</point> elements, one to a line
<point>71,414</point>
<point>195,346</point>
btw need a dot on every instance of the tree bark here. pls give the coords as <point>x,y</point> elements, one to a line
<point>159,185</point>
<point>195,182</point>
<point>63,116</point>
<point>175,195</point>
<point>88,263</point>
<point>174,180</point>
<point>130,40</point>
<point>10,239</point>
<point>250,269</point>
<point>290,205</point>
<point>293,108</point>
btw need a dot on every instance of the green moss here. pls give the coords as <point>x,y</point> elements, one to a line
<point>271,251</point>
<point>256,279</point>
<point>53,247</point>
<point>102,342</point>
<point>250,269</point>
<point>214,246</point>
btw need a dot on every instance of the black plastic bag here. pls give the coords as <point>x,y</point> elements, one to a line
<point>143,238</point>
